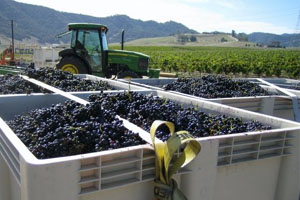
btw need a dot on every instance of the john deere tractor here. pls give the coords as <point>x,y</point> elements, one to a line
<point>89,54</point>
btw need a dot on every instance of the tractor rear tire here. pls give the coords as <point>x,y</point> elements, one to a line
<point>73,65</point>
<point>128,75</point>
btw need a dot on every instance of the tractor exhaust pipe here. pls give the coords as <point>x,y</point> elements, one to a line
<point>12,42</point>
<point>122,40</point>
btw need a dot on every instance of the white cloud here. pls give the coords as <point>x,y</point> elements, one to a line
<point>193,1</point>
<point>230,4</point>
<point>227,4</point>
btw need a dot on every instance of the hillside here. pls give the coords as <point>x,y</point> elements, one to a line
<point>44,23</point>
<point>201,40</point>
<point>287,40</point>
<point>40,24</point>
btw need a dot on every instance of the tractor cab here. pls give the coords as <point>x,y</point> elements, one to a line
<point>86,55</point>
<point>90,43</point>
<point>89,54</point>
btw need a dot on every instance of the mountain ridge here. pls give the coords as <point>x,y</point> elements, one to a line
<point>44,23</point>
<point>286,39</point>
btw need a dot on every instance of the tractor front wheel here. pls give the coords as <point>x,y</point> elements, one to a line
<point>73,65</point>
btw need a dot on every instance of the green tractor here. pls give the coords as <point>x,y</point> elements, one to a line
<point>89,54</point>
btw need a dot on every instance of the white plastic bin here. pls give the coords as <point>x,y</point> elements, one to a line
<point>281,82</point>
<point>258,165</point>
<point>237,159</point>
<point>114,83</point>
<point>278,106</point>
<point>23,177</point>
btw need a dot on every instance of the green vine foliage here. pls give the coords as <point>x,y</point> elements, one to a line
<point>258,62</point>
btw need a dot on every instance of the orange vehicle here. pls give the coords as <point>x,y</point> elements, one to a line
<point>8,53</point>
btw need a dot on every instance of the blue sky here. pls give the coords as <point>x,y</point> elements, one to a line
<point>277,16</point>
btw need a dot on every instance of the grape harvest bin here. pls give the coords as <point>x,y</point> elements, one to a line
<point>281,82</point>
<point>116,84</point>
<point>278,106</point>
<point>113,83</point>
<point>257,165</point>
<point>288,84</point>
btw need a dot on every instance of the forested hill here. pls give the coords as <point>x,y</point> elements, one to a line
<point>285,40</point>
<point>44,23</point>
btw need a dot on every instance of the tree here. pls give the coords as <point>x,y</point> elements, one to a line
<point>181,38</point>
<point>242,37</point>
<point>233,34</point>
<point>193,38</point>
<point>224,40</point>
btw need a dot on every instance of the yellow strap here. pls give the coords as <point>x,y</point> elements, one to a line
<point>165,152</point>
<point>168,192</point>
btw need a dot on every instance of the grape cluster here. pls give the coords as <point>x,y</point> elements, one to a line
<point>14,84</point>
<point>71,129</point>
<point>143,110</point>
<point>211,86</point>
<point>65,80</point>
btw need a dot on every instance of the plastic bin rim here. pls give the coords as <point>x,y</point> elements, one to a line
<point>247,134</point>
<point>116,91</point>
<point>74,93</point>
<point>26,154</point>
<point>234,98</point>
<point>87,155</point>
<point>83,76</point>
<point>22,149</point>
<point>31,159</point>
<point>192,96</point>
<point>221,106</point>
